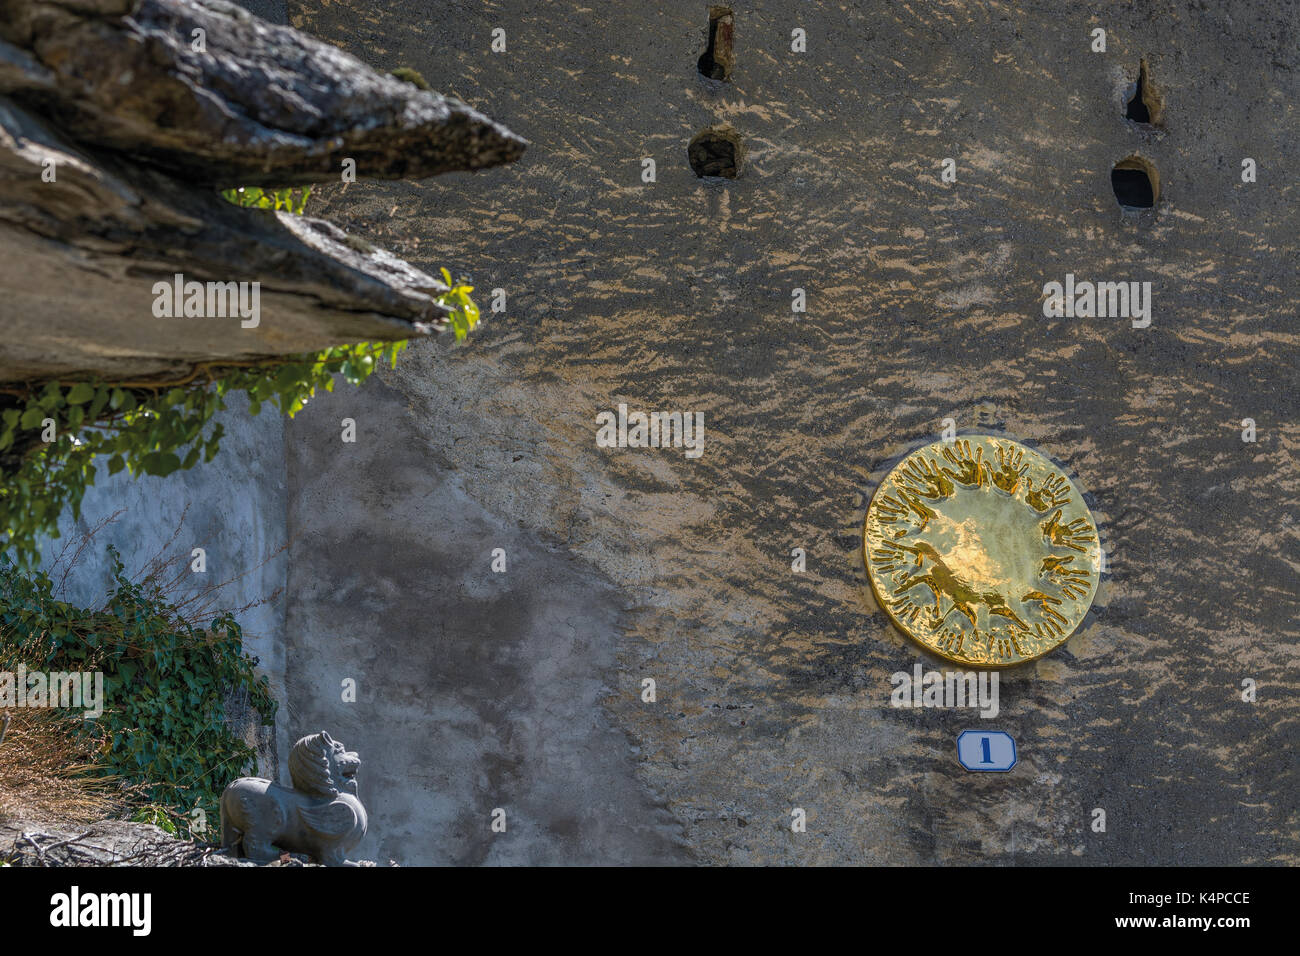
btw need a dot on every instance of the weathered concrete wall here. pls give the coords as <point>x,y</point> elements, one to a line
<point>924,303</point>
<point>233,507</point>
<point>475,690</point>
<point>522,690</point>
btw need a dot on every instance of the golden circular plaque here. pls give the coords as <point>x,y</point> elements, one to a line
<point>982,550</point>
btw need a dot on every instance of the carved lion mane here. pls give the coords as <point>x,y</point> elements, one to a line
<point>313,766</point>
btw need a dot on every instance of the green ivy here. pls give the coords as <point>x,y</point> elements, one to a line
<point>63,430</point>
<point>160,816</point>
<point>52,437</point>
<point>166,681</point>
<point>290,200</point>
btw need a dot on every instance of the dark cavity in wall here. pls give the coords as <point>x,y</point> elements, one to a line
<point>1136,183</point>
<point>718,58</point>
<point>716,152</point>
<point>1145,106</point>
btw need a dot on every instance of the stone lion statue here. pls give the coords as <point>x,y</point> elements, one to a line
<point>321,816</point>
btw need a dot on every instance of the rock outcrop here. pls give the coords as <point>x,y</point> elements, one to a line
<point>119,122</point>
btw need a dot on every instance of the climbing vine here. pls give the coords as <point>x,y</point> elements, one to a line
<point>53,436</point>
<point>166,682</point>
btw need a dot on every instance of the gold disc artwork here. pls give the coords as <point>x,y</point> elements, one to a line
<point>982,550</point>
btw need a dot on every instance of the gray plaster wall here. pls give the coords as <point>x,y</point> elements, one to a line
<point>371,560</point>
<point>523,690</point>
<point>272,11</point>
<point>477,690</point>
<point>233,507</point>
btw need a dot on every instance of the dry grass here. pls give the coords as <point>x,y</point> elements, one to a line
<point>44,764</point>
<point>46,755</point>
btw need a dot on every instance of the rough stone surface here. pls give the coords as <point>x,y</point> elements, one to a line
<point>923,303</point>
<point>522,690</point>
<point>258,103</point>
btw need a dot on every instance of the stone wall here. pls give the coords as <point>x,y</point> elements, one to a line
<point>522,690</point>
<point>924,303</point>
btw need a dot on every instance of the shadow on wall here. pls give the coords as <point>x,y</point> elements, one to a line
<point>476,690</point>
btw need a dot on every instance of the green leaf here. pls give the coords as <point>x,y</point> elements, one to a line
<point>160,464</point>
<point>81,393</point>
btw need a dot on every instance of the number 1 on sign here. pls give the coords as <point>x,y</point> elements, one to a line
<point>986,750</point>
